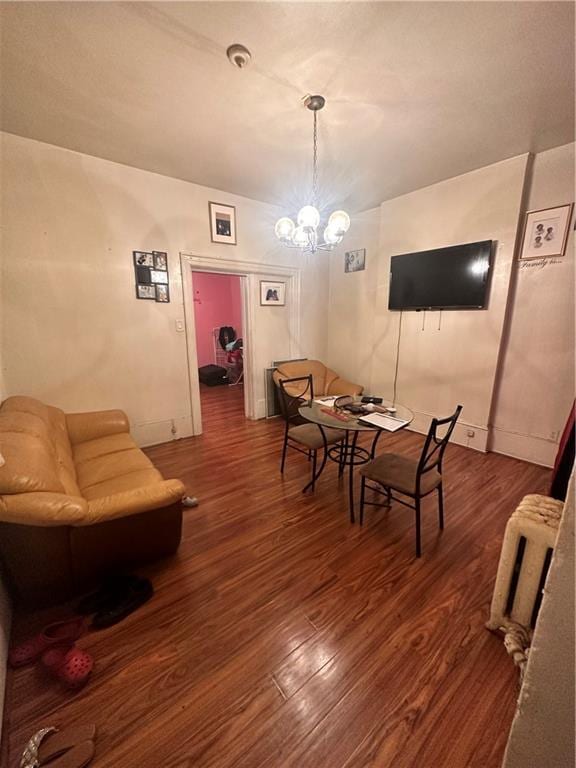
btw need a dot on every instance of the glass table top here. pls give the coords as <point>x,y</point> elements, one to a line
<point>322,413</point>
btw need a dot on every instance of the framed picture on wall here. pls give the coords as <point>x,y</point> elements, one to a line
<point>272,294</point>
<point>158,276</point>
<point>546,232</point>
<point>160,260</point>
<point>146,292</point>
<point>162,293</point>
<point>355,261</point>
<point>143,259</point>
<point>222,223</point>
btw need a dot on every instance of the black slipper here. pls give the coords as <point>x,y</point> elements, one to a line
<point>114,587</point>
<point>138,592</point>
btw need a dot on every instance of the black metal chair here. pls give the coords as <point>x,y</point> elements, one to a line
<point>300,434</point>
<point>415,479</point>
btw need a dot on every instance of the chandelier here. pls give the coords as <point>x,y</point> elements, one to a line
<point>304,234</point>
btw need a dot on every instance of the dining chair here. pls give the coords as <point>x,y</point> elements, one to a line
<point>299,434</point>
<point>411,477</point>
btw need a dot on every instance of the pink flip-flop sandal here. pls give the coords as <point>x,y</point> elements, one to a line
<point>58,633</point>
<point>70,664</point>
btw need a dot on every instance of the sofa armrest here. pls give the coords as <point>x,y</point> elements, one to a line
<point>126,503</point>
<point>46,510</point>
<point>90,426</point>
<point>342,387</point>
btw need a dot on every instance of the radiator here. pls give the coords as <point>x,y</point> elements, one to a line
<point>524,561</point>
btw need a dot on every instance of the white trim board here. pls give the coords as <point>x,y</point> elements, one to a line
<point>479,442</point>
<point>251,272</point>
<point>536,450</point>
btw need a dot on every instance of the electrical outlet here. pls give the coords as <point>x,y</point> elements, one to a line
<point>179,326</point>
<point>470,433</point>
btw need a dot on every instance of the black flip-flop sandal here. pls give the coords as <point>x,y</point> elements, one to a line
<point>139,592</point>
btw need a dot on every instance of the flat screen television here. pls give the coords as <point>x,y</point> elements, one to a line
<point>445,278</point>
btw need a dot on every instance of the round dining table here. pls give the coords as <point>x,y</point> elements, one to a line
<point>347,453</point>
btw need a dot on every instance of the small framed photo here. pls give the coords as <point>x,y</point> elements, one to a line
<point>158,276</point>
<point>145,292</point>
<point>272,294</point>
<point>143,275</point>
<point>355,261</point>
<point>222,223</point>
<point>546,232</point>
<point>143,259</point>
<point>160,260</point>
<point>162,293</point>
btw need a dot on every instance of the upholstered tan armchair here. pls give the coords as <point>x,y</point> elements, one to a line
<point>77,498</point>
<point>326,382</point>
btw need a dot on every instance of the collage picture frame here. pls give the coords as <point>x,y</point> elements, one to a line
<point>151,276</point>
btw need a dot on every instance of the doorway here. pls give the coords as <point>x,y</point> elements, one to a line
<point>219,330</point>
<point>270,333</point>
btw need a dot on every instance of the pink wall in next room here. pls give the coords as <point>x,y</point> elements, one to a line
<point>217,302</point>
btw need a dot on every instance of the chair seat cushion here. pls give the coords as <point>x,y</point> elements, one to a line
<point>399,473</point>
<point>310,435</point>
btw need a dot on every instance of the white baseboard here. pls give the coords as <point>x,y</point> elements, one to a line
<point>536,450</point>
<point>155,432</point>
<point>478,441</point>
<point>531,448</point>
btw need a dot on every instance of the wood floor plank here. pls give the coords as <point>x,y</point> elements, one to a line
<point>282,636</point>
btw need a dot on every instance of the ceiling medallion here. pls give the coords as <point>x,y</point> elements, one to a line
<point>304,234</point>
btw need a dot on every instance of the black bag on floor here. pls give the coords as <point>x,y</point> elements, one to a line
<point>213,375</point>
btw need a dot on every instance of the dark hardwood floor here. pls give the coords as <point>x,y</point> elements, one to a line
<point>283,637</point>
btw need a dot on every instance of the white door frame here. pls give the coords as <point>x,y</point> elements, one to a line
<point>250,271</point>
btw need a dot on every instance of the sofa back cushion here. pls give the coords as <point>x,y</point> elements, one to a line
<point>298,368</point>
<point>35,445</point>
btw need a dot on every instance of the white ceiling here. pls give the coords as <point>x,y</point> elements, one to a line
<point>416,92</point>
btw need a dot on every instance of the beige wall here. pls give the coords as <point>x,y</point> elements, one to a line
<point>542,734</point>
<point>511,366</point>
<point>75,335</point>
<point>446,357</point>
<point>536,386</point>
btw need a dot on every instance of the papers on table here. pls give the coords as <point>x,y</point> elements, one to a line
<point>390,423</point>
<point>326,401</point>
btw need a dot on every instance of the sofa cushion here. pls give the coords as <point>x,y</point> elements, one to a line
<point>112,465</point>
<point>28,423</point>
<point>126,482</point>
<point>29,464</point>
<point>24,404</point>
<point>25,414</point>
<point>102,446</point>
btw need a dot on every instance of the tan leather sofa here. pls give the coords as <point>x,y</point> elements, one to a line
<point>325,381</point>
<point>77,498</point>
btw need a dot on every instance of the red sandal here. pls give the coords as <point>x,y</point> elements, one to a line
<point>58,633</point>
<point>72,665</point>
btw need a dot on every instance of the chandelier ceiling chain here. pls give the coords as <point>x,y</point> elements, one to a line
<point>304,235</point>
<point>315,163</point>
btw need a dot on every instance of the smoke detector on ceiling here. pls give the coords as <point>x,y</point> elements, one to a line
<point>238,55</point>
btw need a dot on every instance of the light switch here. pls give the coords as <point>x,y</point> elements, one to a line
<point>180,326</point>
